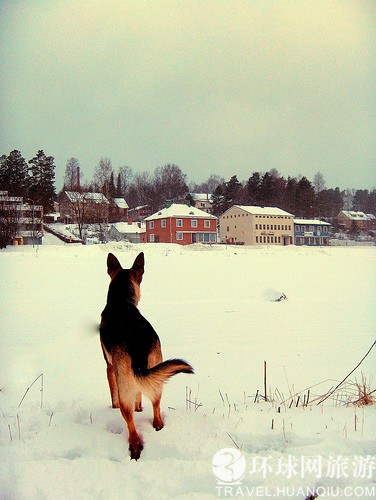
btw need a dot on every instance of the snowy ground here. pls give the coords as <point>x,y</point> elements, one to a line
<point>215,307</point>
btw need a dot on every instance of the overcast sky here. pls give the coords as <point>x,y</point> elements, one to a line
<point>216,87</point>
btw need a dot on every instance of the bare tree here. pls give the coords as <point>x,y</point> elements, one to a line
<point>141,190</point>
<point>72,179</point>
<point>102,176</point>
<point>318,182</point>
<point>169,183</point>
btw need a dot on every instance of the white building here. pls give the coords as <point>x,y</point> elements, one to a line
<point>252,225</point>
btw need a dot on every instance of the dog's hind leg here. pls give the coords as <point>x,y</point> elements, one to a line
<point>111,377</point>
<point>155,357</point>
<point>135,442</point>
<point>138,404</point>
<point>157,420</point>
<point>113,386</point>
<point>127,396</point>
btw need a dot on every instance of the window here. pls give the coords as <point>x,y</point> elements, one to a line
<point>193,223</point>
<point>151,224</point>
<point>206,237</point>
<point>152,238</point>
<point>206,223</point>
<point>325,229</point>
<point>228,229</point>
<point>179,223</point>
<point>311,228</point>
<point>303,229</point>
<point>179,236</point>
<point>163,223</point>
<point>297,228</point>
<point>256,239</point>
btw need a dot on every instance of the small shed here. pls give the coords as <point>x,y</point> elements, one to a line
<point>133,232</point>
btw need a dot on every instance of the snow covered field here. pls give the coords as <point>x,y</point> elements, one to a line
<point>215,307</point>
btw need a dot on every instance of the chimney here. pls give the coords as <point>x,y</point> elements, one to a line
<point>168,203</point>
<point>130,221</point>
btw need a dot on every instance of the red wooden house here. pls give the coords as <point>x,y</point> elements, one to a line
<point>181,224</point>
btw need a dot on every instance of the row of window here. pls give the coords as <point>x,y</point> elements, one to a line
<point>300,240</point>
<point>196,237</point>
<point>274,227</point>
<point>271,239</point>
<point>178,223</point>
<point>257,216</point>
<point>311,229</point>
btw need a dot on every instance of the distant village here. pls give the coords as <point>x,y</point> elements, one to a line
<point>90,218</point>
<point>264,210</point>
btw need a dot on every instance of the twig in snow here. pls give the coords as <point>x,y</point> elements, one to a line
<point>30,386</point>
<point>49,423</point>
<point>348,375</point>
<point>235,443</point>
<point>18,427</point>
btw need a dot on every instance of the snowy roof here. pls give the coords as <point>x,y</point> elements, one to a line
<point>120,202</point>
<point>75,196</point>
<point>180,210</point>
<point>255,210</point>
<point>125,228</point>
<point>311,222</point>
<point>354,215</point>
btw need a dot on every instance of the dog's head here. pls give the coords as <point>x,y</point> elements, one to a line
<point>125,283</point>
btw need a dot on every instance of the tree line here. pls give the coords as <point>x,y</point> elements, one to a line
<point>34,180</point>
<point>297,195</point>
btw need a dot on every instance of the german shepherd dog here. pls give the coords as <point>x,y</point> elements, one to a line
<point>132,350</point>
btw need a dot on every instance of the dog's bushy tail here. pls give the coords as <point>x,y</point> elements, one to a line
<point>152,380</point>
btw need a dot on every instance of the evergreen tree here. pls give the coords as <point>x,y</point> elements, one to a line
<point>267,190</point>
<point>253,188</point>
<point>360,202</point>
<point>232,189</point>
<point>111,187</point>
<point>42,189</point>
<point>305,198</point>
<point>218,200</point>
<point>14,176</point>
<point>289,195</point>
<point>118,186</point>
<point>329,203</point>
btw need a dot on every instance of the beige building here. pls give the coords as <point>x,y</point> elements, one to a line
<point>250,225</point>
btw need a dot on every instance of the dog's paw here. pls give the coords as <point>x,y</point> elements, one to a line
<point>135,449</point>
<point>158,424</point>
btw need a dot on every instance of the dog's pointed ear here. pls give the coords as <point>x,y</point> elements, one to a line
<point>138,266</point>
<point>113,265</point>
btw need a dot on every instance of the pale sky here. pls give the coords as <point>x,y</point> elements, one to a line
<point>216,87</point>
